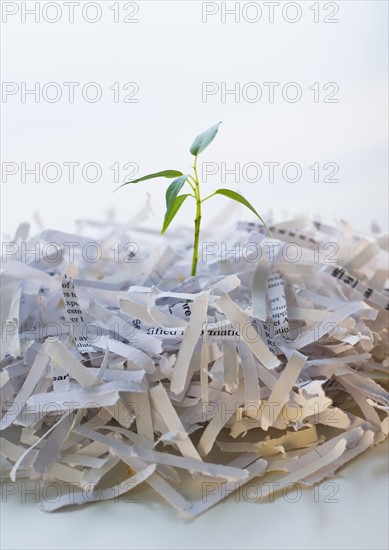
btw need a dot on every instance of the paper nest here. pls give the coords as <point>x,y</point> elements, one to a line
<point>120,370</point>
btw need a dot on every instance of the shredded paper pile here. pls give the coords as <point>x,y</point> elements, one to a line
<point>119,369</point>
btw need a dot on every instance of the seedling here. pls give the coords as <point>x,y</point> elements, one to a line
<point>174,200</point>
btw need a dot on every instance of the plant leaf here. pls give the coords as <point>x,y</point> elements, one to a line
<point>237,197</point>
<point>203,140</point>
<point>172,211</point>
<point>173,190</point>
<point>163,174</point>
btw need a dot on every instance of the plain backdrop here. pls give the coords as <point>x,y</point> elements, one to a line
<point>168,50</point>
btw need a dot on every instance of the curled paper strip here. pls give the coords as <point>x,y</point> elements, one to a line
<point>125,371</point>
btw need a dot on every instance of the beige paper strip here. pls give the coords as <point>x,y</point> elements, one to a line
<point>257,346</point>
<point>280,393</point>
<point>165,408</point>
<point>192,333</point>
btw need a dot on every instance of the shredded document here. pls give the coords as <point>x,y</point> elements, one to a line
<point>119,370</point>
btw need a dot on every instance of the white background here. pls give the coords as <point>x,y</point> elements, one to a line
<point>169,53</point>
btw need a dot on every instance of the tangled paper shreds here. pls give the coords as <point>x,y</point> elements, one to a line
<point>117,366</point>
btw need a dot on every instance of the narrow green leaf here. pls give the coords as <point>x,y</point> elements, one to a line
<point>173,190</point>
<point>203,140</point>
<point>164,174</point>
<point>172,211</point>
<point>237,197</point>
